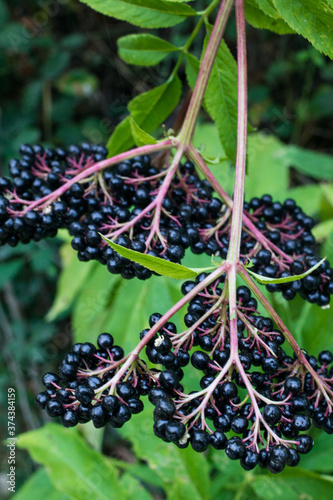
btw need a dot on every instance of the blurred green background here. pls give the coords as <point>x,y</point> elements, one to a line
<point>62,82</point>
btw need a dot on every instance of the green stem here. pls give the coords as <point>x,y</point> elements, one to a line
<point>237,213</point>
<point>184,49</point>
<point>186,133</point>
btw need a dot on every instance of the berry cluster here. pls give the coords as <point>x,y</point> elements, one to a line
<point>291,249</point>
<point>158,211</point>
<point>140,220</point>
<point>34,178</point>
<point>84,391</point>
<point>285,398</point>
<point>161,211</point>
<point>277,238</point>
<point>249,386</point>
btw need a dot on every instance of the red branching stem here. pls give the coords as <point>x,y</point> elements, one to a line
<point>325,389</point>
<point>182,302</point>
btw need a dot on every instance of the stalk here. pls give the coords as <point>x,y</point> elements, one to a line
<point>237,213</point>
<point>186,133</point>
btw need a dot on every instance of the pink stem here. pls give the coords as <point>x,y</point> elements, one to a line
<point>195,156</point>
<point>292,342</point>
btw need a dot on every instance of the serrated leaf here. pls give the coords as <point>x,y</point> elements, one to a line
<point>39,487</point>
<point>149,110</point>
<point>268,7</point>
<point>156,264</point>
<point>259,18</point>
<point>143,13</point>
<point>144,49</point>
<point>74,468</point>
<point>141,137</point>
<point>221,97</point>
<point>313,19</point>
<point>266,281</point>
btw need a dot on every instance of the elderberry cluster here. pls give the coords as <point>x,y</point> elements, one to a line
<point>123,203</point>
<point>77,394</point>
<point>289,230</point>
<point>36,175</point>
<point>286,398</point>
<point>114,202</point>
<point>266,398</point>
<point>188,206</point>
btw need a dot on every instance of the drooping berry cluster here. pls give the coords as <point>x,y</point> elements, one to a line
<point>285,398</point>
<point>159,211</point>
<point>277,238</point>
<point>249,386</point>
<point>140,222</point>
<point>34,178</point>
<point>83,390</point>
<point>291,249</point>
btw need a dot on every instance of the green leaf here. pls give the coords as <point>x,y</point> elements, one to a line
<point>221,97</point>
<point>133,488</point>
<point>312,163</point>
<point>142,299</point>
<point>323,230</point>
<point>260,14</point>
<point>320,459</point>
<point>292,484</point>
<point>192,69</point>
<point>97,293</point>
<point>206,140</point>
<point>265,281</point>
<point>312,19</point>
<point>74,468</point>
<point>268,7</point>
<point>141,137</point>
<point>308,197</point>
<point>266,167</point>
<point>143,13</point>
<point>39,487</point>
<point>71,280</point>
<point>149,110</point>
<point>156,264</point>
<point>144,49</point>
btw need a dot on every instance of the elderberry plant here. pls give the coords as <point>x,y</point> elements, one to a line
<point>137,212</point>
